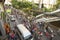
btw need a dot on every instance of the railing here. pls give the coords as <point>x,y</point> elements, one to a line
<point>56,28</point>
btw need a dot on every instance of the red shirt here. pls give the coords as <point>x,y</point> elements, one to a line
<point>12,35</point>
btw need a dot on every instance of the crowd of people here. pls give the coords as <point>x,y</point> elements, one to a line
<point>12,36</point>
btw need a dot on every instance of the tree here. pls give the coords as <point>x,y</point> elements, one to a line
<point>40,3</point>
<point>58,4</point>
<point>24,0</point>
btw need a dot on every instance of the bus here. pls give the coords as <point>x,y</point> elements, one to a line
<point>26,34</point>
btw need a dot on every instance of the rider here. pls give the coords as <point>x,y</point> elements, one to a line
<point>13,36</point>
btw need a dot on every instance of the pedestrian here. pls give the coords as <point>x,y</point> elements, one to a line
<point>51,36</point>
<point>11,36</point>
<point>41,25</point>
<point>16,37</point>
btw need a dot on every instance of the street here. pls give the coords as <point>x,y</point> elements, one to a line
<point>40,30</point>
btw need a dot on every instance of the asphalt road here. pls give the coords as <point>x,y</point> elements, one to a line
<point>44,36</point>
<point>20,19</point>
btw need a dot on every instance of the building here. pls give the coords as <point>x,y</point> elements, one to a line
<point>49,3</point>
<point>46,3</point>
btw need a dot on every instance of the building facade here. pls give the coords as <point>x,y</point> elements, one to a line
<point>46,3</point>
<point>49,3</point>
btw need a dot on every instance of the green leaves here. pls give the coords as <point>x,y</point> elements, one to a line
<point>58,4</point>
<point>25,6</point>
<point>21,5</point>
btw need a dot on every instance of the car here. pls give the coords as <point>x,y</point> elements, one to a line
<point>12,17</point>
